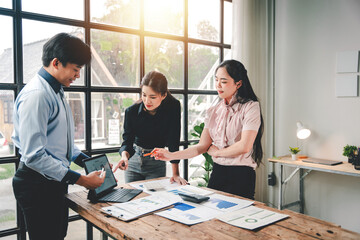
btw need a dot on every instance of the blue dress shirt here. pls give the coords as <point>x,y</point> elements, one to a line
<point>40,129</point>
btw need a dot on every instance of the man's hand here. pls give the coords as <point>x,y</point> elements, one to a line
<point>92,180</point>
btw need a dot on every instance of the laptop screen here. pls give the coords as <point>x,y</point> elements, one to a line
<point>97,163</point>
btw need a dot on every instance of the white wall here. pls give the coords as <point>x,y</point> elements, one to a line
<point>308,34</point>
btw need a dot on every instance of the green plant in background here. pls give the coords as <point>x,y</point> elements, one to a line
<point>208,165</point>
<point>349,151</point>
<point>294,150</point>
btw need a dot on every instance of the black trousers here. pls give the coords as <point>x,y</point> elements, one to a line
<point>238,180</point>
<point>43,204</point>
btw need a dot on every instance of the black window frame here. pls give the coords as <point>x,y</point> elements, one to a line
<point>18,15</point>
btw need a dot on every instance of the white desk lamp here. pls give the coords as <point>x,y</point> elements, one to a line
<point>302,133</point>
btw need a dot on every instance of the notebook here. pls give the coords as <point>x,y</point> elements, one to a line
<point>321,161</point>
<point>107,192</point>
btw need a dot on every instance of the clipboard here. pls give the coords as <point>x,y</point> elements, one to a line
<point>140,207</point>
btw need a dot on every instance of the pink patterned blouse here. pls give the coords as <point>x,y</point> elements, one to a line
<point>225,124</point>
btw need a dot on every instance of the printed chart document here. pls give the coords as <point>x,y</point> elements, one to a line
<point>251,217</point>
<point>133,209</point>
<point>224,203</point>
<point>191,213</point>
<point>164,185</point>
<point>188,189</point>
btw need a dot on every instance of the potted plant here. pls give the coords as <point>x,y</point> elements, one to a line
<point>208,165</point>
<point>356,159</point>
<point>349,151</point>
<point>294,151</point>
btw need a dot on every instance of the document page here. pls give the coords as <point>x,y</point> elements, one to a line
<point>136,208</point>
<point>165,183</point>
<point>191,213</point>
<point>251,217</point>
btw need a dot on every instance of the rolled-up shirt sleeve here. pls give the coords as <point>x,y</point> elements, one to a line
<point>33,117</point>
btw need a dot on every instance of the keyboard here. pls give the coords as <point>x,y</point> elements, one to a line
<point>120,195</point>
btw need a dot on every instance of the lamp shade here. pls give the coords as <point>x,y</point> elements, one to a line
<point>302,132</point>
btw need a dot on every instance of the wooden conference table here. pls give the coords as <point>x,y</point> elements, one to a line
<point>297,226</point>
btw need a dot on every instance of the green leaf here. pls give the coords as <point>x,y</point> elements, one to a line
<point>198,129</point>
<point>195,135</point>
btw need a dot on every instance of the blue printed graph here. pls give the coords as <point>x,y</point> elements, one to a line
<point>221,204</point>
<point>183,206</point>
<point>191,217</point>
<point>175,191</point>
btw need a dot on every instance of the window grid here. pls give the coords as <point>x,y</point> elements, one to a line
<point>18,15</point>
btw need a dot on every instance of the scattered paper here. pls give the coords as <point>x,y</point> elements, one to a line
<point>251,217</point>
<point>136,208</point>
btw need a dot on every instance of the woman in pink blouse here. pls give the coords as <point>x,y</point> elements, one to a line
<point>232,133</point>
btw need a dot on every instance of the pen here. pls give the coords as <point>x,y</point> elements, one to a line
<point>148,154</point>
<point>102,172</point>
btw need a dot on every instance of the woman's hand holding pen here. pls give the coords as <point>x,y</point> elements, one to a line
<point>161,154</point>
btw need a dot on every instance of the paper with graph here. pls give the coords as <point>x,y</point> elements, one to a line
<point>191,213</point>
<point>133,209</point>
<point>164,185</point>
<point>251,217</point>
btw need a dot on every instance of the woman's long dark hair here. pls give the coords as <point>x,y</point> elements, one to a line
<point>158,82</point>
<point>245,93</point>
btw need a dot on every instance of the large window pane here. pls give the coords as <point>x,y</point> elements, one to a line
<point>33,44</point>
<point>197,105</point>
<point>203,61</point>
<point>6,123</point>
<point>227,54</point>
<point>7,199</point>
<point>107,117</point>
<point>77,105</point>
<point>123,13</point>
<point>65,8</point>
<point>164,16</point>
<point>167,57</point>
<point>6,4</point>
<point>6,51</point>
<point>115,59</point>
<point>227,22</point>
<point>204,19</point>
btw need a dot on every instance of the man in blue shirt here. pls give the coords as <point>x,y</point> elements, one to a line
<point>44,134</point>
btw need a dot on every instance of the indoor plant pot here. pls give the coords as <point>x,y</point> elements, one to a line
<point>349,151</point>
<point>294,151</point>
<point>356,162</point>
